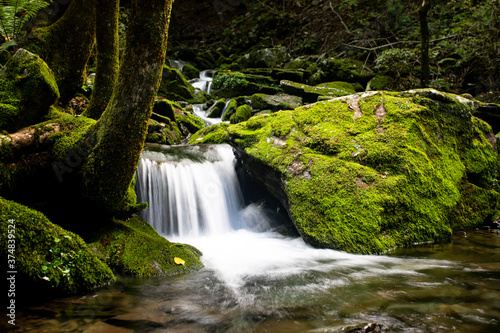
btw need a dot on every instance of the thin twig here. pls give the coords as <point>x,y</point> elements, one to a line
<point>399,42</point>
<point>340,18</point>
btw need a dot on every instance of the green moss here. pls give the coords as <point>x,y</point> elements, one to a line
<point>44,250</point>
<point>230,83</point>
<point>166,108</point>
<point>380,82</point>
<point>326,90</point>
<point>190,72</point>
<point>27,90</point>
<point>164,131</point>
<point>189,121</point>
<point>216,109</point>
<point>74,130</point>
<point>134,247</point>
<point>409,169</point>
<point>348,70</point>
<point>211,134</point>
<point>231,108</point>
<point>174,85</point>
<point>242,113</point>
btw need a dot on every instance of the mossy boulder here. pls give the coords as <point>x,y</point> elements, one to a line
<point>348,70</point>
<point>170,122</point>
<point>166,108</point>
<point>275,74</point>
<point>230,109</point>
<point>163,131</point>
<point>380,82</point>
<point>211,134</point>
<point>190,72</point>
<point>48,259</point>
<point>275,102</point>
<point>368,172</point>
<point>27,90</point>
<point>188,123</point>
<point>174,85</point>
<point>133,247</point>
<point>312,94</point>
<point>230,84</point>
<point>215,111</point>
<point>265,58</point>
<point>242,113</point>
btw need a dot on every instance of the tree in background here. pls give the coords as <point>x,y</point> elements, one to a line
<point>425,35</point>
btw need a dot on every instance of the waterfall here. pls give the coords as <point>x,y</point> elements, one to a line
<point>204,82</point>
<point>193,191</point>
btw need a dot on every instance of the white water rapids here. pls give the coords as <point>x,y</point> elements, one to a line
<point>194,197</point>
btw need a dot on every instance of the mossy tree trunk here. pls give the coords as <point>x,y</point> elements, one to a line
<point>424,32</point>
<point>107,56</point>
<point>119,134</point>
<point>66,46</point>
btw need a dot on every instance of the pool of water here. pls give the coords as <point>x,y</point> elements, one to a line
<point>262,282</point>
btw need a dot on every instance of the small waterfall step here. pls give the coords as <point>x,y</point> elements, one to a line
<point>193,191</point>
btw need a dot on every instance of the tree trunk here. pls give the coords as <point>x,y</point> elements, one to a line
<point>424,31</point>
<point>108,173</point>
<point>66,46</point>
<point>107,56</point>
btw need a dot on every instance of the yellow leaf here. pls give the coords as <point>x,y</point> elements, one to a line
<point>179,261</point>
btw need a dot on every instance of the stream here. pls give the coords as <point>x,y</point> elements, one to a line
<point>256,280</point>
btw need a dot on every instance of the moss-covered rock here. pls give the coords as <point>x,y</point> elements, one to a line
<point>379,82</point>
<point>188,123</point>
<point>170,122</point>
<point>48,259</point>
<point>242,113</point>
<point>348,70</point>
<point>134,247</point>
<point>233,84</point>
<point>27,90</point>
<point>275,102</point>
<point>368,172</point>
<point>312,94</point>
<point>166,108</point>
<point>190,72</point>
<point>163,131</point>
<point>215,111</point>
<point>174,85</point>
<point>211,134</point>
<point>230,109</point>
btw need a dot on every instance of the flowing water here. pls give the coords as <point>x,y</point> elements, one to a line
<point>256,280</point>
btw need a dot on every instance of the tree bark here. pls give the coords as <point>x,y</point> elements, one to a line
<point>424,32</point>
<point>66,46</point>
<point>108,173</point>
<point>107,56</point>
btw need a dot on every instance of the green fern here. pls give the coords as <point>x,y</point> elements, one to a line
<point>15,13</point>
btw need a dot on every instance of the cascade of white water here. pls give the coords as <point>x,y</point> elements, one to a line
<point>200,112</point>
<point>190,197</point>
<point>204,82</point>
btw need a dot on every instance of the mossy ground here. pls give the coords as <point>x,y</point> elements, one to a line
<point>134,247</point>
<point>367,173</point>
<point>39,243</point>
